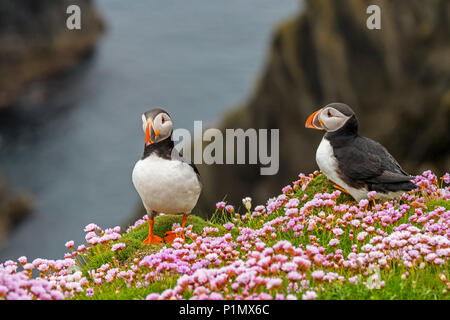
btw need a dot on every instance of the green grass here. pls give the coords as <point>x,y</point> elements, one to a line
<point>419,285</point>
<point>321,184</point>
<point>117,290</point>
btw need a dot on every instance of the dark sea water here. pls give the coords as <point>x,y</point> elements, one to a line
<point>193,58</point>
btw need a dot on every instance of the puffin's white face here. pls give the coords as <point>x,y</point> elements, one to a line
<point>328,118</point>
<point>157,129</point>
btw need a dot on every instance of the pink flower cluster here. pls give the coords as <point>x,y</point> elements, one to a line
<point>295,246</point>
<point>58,280</point>
<point>97,235</point>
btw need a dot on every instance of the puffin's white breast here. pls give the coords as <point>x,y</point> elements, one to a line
<point>327,163</point>
<point>166,186</point>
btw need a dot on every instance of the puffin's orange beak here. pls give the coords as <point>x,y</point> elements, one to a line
<point>314,122</point>
<point>150,134</point>
<point>148,141</point>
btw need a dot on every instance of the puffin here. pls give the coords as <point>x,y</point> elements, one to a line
<point>355,164</point>
<point>164,180</point>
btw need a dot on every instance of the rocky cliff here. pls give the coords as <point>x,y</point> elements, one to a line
<point>36,44</point>
<point>396,79</point>
<point>13,207</point>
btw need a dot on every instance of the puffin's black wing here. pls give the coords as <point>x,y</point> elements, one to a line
<point>365,160</point>
<point>193,166</point>
<point>195,170</point>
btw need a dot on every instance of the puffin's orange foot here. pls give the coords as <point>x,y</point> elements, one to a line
<point>152,239</point>
<point>342,189</point>
<point>170,236</point>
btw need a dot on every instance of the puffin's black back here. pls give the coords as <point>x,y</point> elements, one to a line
<point>364,161</point>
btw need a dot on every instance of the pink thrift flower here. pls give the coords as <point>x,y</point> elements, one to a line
<point>309,295</point>
<point>117,247</point>
<point>69,244</point>
<point>89,292</point>
<point>333,242</point>
<point>361,236</point>
<point>353,280</point>
<point>28,266</point>
<point>3,290</point>
<point>372,195</point>
<point>294,276</point>
<point>228,226</point>
<point>363,203</point>
<point>292,212</point>
<point>22,260</point>
<point>153,296</point>
<point>318,275</point>
<point>271,283</point>
<point>338,232</point>
<point>229,208</point>
<point>289,266</point>
<point>43,267</point>
<point>286,189</point>
<point>90,227</point>
<point>220,205</point>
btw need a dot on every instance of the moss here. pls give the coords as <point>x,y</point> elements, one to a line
<point>321,184</point>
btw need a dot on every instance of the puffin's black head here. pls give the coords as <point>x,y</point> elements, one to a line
<point>157,126</point>
<point>332,118</point>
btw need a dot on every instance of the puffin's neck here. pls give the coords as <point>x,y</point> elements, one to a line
<point>349,131</point>
<point>162,149</point>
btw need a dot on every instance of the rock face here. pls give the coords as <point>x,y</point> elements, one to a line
<point>35,45</point>
<point>397,80</point>
<point>13,208</point>
<point>35,42</point>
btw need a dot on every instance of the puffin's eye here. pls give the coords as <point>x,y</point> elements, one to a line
<point>163,120</point>
<point>329,114</point>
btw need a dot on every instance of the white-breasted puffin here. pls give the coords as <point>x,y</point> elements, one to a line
<point>165,182</point>
<point>356,164</point>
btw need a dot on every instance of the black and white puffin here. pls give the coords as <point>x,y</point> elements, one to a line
<point>356,164</point>
<point>165,182</point>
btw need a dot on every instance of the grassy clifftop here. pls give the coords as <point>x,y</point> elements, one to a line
<point>310,242</point>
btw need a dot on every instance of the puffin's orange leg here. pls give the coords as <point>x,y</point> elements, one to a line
<point>340,188</point>
<point>151,238</point>
<point>170,236</point>
<point>182,225</point>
